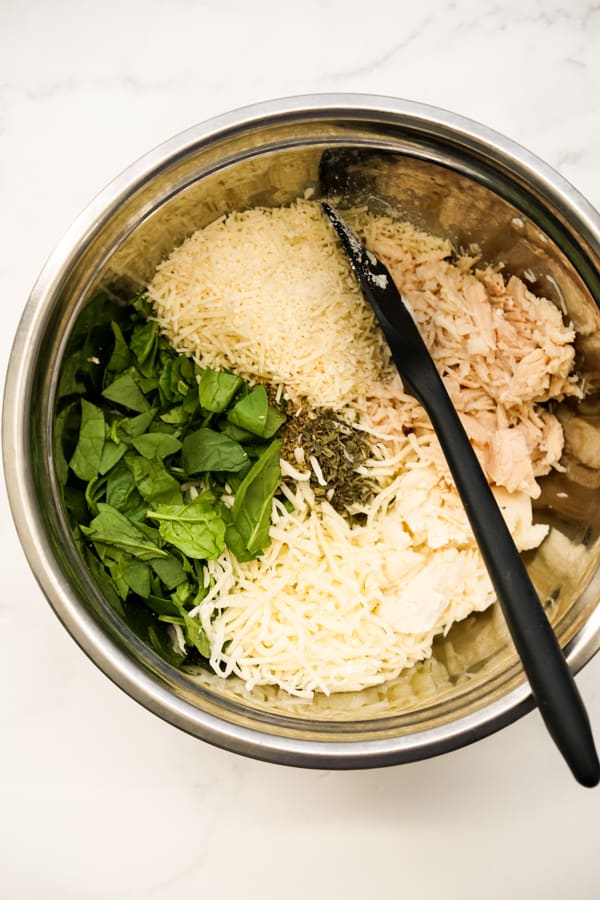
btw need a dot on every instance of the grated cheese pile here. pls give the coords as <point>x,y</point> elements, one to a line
<point>338,607</point>
<point>268,294</point>
<point>337,604</point>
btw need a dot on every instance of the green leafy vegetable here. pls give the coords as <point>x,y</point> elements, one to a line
<point>196,529</point>
<point>144,429</point>
<point>217,389</point>
<point>235,433</point>
<point>60,432</point>
<point>211,451</point>
<point>195,634</point>
<point>85,461</point>
<point>114,529</point>
<point>251,511</point>
<point>176,416</point>
<point>156,445</point>
<point>176,378</point>
<point>137,425</point>
<point>111,454</point>
<point>275,420</point>
<point>126,392</point>
<point>152,480</point>
<point>144,345</point>
<point>138,577</point>
<point>119,359</point>
<point>170,571</point>
<point>251,411</point>
<point>93,493</point>
<point>120,488</point>
<point>104,581</point>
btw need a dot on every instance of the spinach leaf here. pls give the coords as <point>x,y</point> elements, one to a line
<point>137,425</point>
<point>112,528</point>
<point>251,511</point>
<point>237,544</point>
<point>111,454</point>
<point>75,504</point>
<point>175,416</point>
<point>176,377</point>
<point>138,576</point>
<point>251,411</point>
<point>170,571</point>
<point>156,445</point>
<point>196,529</point>
<point>70,381</point>
<point>146,385</point>
<point>210,451</point>
<point>125,392</point>
<point>144,345</point>
<point>235,433</point>
<point>60,430</point>
<point>93,492</point>
<point>85,461</point>
<point>104,582</point>
<point>161,606</point>
<point>217,389</point>
<point>275,420</point>
<point>119,359</point>
<point>191,403</point>
<point>120,488</point>
<point>194,634</point>
<point>153,481</point>
<point>128,574</point>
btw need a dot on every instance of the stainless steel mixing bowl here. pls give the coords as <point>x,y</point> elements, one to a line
<point>444,173</point>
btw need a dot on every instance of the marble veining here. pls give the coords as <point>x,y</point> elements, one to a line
<point>99,798</point>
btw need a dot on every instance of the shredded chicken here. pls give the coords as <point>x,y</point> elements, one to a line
<point>501,350</point>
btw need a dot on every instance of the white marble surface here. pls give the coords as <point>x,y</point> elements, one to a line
<point>99,799</point>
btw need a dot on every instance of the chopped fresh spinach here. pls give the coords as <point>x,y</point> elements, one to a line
<point>170,571</point>
<point>86,459</point>
<point>111,454</point>
<point>112,528</point>
<point>125,391</point>
<point>197,529</point>
<point>146,446</point>
<point>153,481</point>
<point>137,425</point>
<point>275,420</point>
<point>217,389</point>
<point>211,451</point>
<point>144,345</point>
<point>251,510</point>
<point>119,359</point>
<point>156,445</point>
<point>250,413</point>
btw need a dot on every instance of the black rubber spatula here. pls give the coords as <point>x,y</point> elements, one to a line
<point>551,681</point>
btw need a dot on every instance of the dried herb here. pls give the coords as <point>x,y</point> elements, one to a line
<point>338,448</point>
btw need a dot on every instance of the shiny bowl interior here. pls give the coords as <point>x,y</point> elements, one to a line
<point>453,178</point>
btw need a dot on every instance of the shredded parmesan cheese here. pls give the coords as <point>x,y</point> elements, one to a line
<point>268,293</point>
